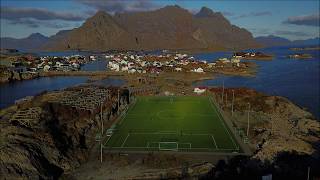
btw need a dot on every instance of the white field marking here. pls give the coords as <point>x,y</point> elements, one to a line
<point>123,116</point>
<point>214,141</point>
<point>124,142</point>
<point>189,114</point>
<point>184,143</point>
<point>108,140</point>
<point>195,134</point>
<point>234,144</point>
<point>165,149</point>
<point>133,147</point>
<point>155,133</point>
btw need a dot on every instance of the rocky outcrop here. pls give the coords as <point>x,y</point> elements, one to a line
<point>11,76</point>
<point>195,171</point>
<point>56,142</point>
<point>277,125</point>
<point>171,27</point>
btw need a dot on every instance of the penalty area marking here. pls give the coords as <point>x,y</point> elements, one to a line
<point>218,113</point>
<point>124,142</point>
<point>214,141</point>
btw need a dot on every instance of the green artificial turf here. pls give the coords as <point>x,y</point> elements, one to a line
<point>179,123</point>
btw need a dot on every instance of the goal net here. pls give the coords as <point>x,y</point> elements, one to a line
<point>168,146</point>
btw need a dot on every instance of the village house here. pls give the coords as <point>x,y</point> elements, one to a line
<point>198,70</point>
<point>199,90</point>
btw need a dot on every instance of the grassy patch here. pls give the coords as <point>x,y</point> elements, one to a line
<point>181,123</point>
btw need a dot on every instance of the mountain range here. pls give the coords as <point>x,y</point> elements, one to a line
<point>32,42</point>
<point>271,40</point>
<point>170,27</point>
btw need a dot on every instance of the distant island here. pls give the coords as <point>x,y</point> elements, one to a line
<point>252,56</point>
<point>300,56</point>
<point>273,41</point>
<point>305,48</point>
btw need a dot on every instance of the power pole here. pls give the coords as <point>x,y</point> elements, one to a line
<point>232,103</point>
<point>248,120</point>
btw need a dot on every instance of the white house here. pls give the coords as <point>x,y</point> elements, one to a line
<point>76,65</point>
<point>198,70</point>
<point>46,68</point>
<point>178,69</point>
<point>199,90</point>
<point>132,71</point>
<point>124,68</point>
<point>130,64</point>
<point>93,58</point>
<point>235,60</point>
<point>59,64</point>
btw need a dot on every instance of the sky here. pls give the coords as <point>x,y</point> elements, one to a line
<point>292,19</point>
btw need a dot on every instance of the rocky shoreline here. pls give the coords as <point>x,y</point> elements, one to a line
<point>278,125</point>
<point>11,76</point>
<point>62,139</point>
<point>52,141</point>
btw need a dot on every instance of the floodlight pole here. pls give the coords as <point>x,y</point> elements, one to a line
<point>308,173</point>
<point>222,91</point>
<point>248,120</point>
<point>129,96</point>
<point>232,103</point>
<point>101,151</point>
<point>101,118</point>
<point>226,99</point>
<point>118,100</point>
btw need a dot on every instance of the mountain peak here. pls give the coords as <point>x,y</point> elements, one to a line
<point>173,8</point>
<point>170,27</point>
<point>101,13</point>
<point>37,35</point>
<point>99,17</point>
<point>205,12</point>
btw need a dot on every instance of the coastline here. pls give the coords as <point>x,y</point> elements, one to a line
<point>262,137</point>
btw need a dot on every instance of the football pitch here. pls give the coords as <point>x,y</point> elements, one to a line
<point>177,123</point>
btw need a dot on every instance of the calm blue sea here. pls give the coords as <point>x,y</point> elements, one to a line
<point>10,92</point>
<point>297,80</point>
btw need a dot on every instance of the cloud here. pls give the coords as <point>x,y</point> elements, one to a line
<point>308,20</point>
<point>227,13</point>
<point>291,33</point>
<point>260,31</point>
<point>32,23</point>
<point>253,14</point>
<point>113,6</point>
<point>11,13</point>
